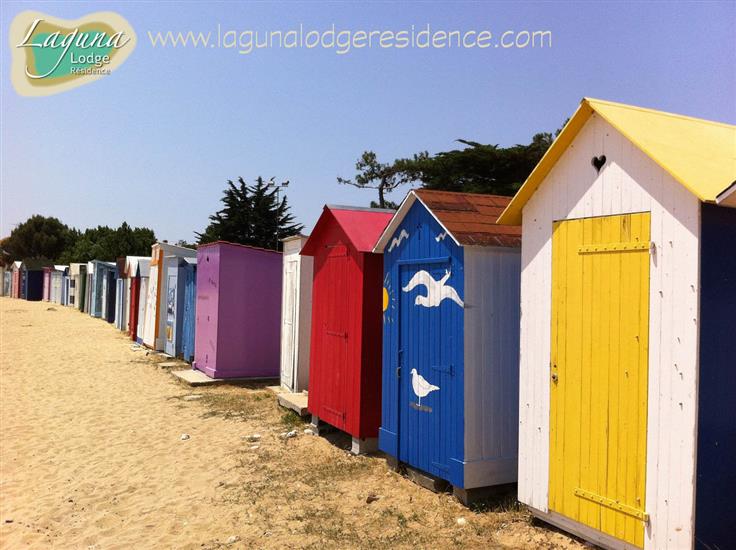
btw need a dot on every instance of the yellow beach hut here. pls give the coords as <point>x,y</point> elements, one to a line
<point>627,430</point>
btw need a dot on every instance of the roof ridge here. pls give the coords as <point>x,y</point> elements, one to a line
<point>359,208</point>
<point>656,111</point>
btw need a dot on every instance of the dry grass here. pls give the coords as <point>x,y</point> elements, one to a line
<point>311,492</point>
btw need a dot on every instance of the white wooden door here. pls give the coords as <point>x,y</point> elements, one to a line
<point>289,328</point>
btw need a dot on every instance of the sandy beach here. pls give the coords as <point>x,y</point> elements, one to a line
<point>92,456</point>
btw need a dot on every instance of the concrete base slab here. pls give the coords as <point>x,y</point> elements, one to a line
<point>428,481</point>
<point>357,446</point>
<point>319,427</point>
<point>297,402</point>
<point>198,378</point>
<point>364,446</point>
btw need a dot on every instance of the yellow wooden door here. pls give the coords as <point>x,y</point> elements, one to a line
<point>598,371</point>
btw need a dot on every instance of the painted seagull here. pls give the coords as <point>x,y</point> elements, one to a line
<point>421,387</point>
<point>436,290</point>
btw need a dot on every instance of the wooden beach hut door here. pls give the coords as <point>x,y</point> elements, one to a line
<point>424,395</point>
<point>288,355</point>
<point>171,310</point>
<point>338,295</point>
<point>599,371</point>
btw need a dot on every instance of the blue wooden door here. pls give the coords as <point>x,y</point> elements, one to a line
<point>189,317</point>
<point>427,375</point>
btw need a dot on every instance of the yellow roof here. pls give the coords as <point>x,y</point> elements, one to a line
<point>698,153</point>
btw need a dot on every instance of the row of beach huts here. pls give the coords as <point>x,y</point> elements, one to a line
<point>578,339</point>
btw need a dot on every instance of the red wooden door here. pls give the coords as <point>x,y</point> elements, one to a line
<point>336,338</point>
<point>133,314</point>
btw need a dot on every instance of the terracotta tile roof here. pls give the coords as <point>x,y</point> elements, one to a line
<point>471,218</point>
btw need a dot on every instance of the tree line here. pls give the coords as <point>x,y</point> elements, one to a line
<point>257,215</point>
<point>474,168</point>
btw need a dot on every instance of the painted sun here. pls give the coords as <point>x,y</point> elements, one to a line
<point>388,305</point>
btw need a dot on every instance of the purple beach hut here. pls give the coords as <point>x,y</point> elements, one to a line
<point>238,317</point>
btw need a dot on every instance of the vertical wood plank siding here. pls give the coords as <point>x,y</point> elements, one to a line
<point>629,182</point>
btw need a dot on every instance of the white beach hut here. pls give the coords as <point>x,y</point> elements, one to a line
<point>296,315</point>
<point>627,430</point>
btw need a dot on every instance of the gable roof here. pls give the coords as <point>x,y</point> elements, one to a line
<point>362,226</point>
<point>469,218</point>
<point>131,264</point>
<point>700,154</point>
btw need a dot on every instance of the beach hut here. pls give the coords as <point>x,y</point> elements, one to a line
<point>296,315</point>
<point>77,284</point>
<point>154,321</point>
<point>450,381</point>
<point>189,321</point>
<point>3,290</point>
<point>15,285</point>
<point>32,278</point>
<point>136,268</point>
<point>345,348</point>
<point>90,301</point>
<point>100,292</point>
<point>56,283</point>
<point>176,285</point>
<point>627,380</point>
<point>66,279</point>
<point>121,295</point>
<point>47,283</point>
<point>144,272</point>
<point>238,307</point>
<point>7,281</point>
<point>108,271</point>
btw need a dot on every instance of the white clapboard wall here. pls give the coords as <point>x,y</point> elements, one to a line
<point>630,182</point>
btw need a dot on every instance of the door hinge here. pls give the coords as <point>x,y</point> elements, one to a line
<point>613,504</point>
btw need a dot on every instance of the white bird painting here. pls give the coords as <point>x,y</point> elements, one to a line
<point>421,387</point>
<point>436,290</point>
<point>441,236</point>
<point>397,240</point>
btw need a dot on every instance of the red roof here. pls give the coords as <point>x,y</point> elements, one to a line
<point>362,226</point>
<point>471,218</point>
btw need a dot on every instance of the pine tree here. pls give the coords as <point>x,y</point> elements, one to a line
<point>252,215</point>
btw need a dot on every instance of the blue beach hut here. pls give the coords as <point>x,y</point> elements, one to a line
<point>180,300</point>
<point>451,340</point>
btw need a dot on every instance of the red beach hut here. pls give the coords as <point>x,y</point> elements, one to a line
<point>345,357</point>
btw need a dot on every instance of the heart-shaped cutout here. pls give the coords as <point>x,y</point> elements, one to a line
<point>598,162</point>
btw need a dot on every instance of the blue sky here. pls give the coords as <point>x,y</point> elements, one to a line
<point>154,143</point>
